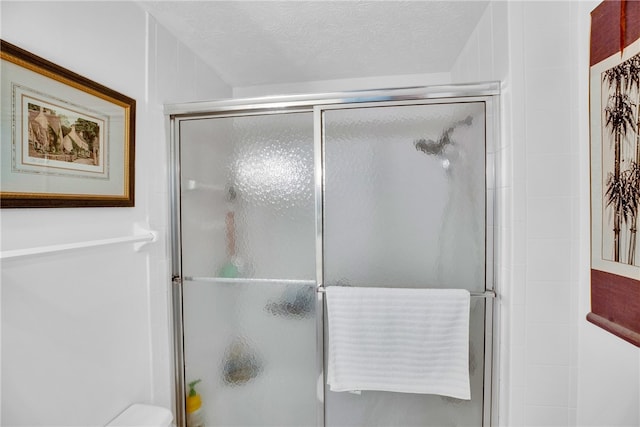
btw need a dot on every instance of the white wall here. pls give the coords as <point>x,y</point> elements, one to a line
<point>87,333</point>
<point>557,369</point>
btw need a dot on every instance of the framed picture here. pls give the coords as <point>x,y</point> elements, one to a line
<point>615,168</point>
<point>65,141</point>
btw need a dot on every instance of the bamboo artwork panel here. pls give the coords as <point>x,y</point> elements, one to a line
<point>615,168</point>
<point>621,161</point>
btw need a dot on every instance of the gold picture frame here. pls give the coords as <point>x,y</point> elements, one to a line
<point>65,140</point>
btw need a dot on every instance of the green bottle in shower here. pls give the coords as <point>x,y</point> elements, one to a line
<point>230,268</point>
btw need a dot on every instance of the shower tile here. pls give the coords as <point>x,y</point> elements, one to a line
<point>516,410</point>
<point>502,278</point>
<point>549,133</point>
<point>519,289</point>
<point>506,166</point>
<point>545,46</point>
<point>506,123</point>
<point>519,242</point>
<point>547,88</point>
<point>543,17</point>
<point>518,370</point>
<point>573,387</point>
<point>576,226</point>
<point>548,302</point>
<point>547,385</point>
<point>519,163</point>
<point>549,175</point>
<point>503,255</point>
<point>549,218</point>
<point>547,344</point>
<point>573,415</point>
<point>548,259</point>
<point>517,326</point>
<point>546,416</point>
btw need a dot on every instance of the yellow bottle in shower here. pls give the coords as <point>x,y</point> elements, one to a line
<point>195,415</point>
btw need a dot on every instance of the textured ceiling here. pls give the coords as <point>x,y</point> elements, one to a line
<point>270,42</point>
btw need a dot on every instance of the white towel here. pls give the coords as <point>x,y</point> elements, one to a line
<point>398,339</point>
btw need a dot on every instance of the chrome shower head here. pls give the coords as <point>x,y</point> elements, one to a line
<point>436,148</point>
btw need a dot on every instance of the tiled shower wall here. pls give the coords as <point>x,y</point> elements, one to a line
<point>535,198</point>
<point>551,359</point>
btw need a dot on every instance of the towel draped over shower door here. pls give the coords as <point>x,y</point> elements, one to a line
<point>399,340</point>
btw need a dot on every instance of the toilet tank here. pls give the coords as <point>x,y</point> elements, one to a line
<point>141,415</point>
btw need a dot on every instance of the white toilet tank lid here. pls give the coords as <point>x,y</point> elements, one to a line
<point>141,415</point>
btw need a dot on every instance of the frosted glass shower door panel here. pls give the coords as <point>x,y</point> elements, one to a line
<point>248,265</point>
<point>404,198</point>
<point>404,206</point>
<point>247,197</point>
<point>254,348</point>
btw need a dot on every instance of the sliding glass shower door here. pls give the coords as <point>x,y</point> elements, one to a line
<point>275,200</point>
<point>248,268</point>
<point>405,207</point>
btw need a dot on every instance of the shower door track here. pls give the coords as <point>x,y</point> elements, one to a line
<point>306,102</point>
<point>485,294</point>
<point>317,103</point>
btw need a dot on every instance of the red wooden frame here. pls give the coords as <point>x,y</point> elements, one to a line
<point>615,299</point>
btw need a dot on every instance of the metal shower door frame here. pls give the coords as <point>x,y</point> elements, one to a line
<point>489,294</point>
<point>318,103</point>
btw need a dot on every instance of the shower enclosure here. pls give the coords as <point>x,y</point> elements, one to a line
<point>275,199</point>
